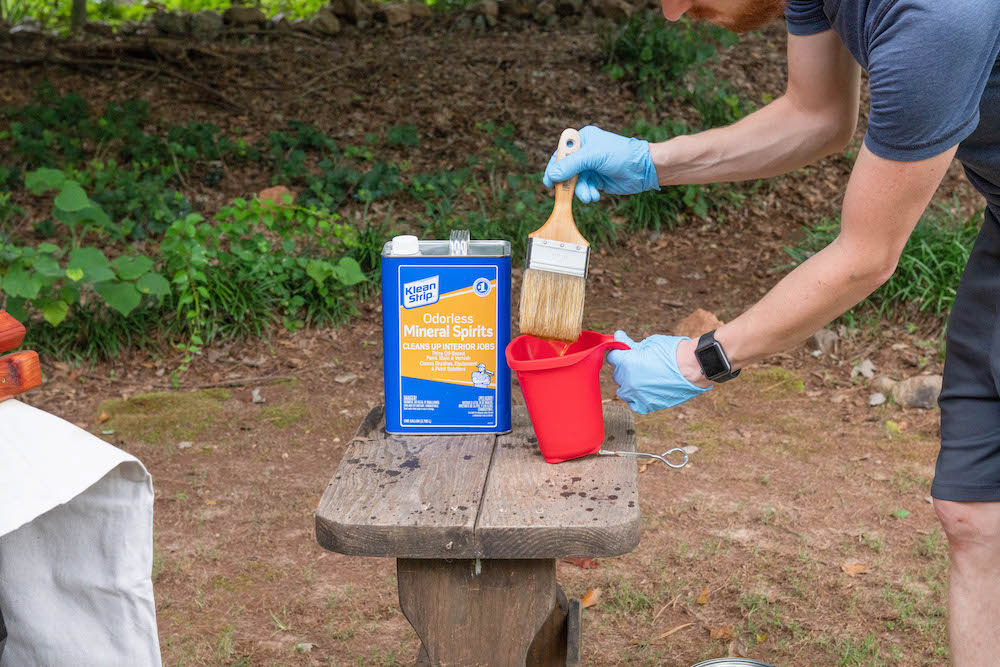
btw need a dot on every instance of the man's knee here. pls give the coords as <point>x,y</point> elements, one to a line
<point>970,527</point>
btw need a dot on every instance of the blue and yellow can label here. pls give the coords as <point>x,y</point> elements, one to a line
<point>446,323</point>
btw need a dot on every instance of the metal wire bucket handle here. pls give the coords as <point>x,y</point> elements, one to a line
<point>661,457</point>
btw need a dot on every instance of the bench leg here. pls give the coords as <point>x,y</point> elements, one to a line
<point>490,618</point>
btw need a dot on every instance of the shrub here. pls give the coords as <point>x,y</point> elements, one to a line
<point>657,54</point>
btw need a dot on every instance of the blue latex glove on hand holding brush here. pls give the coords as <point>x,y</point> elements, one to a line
<point>648,377</point>
<point>606,161</point>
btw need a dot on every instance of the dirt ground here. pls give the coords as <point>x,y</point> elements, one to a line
<point>801,533</point>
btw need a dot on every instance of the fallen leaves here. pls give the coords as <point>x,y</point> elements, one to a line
<point>582,563</point>
<point>703,598</point>
<point>590,598</point>
<point>103,417</point>
<point>723,633</point>
<point>853,568</point>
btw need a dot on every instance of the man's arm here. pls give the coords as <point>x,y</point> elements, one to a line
<point>883,202</point>
<point>816,116</point>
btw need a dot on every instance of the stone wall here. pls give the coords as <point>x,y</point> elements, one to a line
<point>362,15</point>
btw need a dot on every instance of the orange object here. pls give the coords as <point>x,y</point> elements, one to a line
<point>19,371</point>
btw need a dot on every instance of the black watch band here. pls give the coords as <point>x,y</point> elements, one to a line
<point>713,360</point>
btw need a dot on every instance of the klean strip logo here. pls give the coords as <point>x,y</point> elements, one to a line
<point>422,292</point>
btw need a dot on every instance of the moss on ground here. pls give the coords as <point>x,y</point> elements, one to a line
<point>285,415</point>
<point>775,382</point>
<point>164,417</point>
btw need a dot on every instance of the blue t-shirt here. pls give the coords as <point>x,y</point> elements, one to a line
<point>933,73</point>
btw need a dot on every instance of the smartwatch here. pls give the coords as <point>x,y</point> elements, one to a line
<point>713,361</point>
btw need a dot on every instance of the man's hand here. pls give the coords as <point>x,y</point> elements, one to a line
<point>607,162</point>
<point>647,375</point>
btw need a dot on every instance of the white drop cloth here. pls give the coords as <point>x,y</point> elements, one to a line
<point>76,547</point>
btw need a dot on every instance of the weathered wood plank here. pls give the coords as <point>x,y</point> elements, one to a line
<point>3,634</point>
<point>548,649</point>
<point>574,633</point>
<point>584,507</point>
<point>464,618</point>
<point>405,496</point>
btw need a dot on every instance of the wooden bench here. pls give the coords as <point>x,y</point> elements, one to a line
<point>19,372</point>
<point>476,523</point>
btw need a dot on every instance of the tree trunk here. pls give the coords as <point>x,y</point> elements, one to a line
<point>78,16</point>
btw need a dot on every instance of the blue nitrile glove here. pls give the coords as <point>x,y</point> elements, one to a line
<point>605,161</point>
<point>647,375</point>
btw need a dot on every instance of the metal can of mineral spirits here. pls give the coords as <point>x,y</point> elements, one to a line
<point>445,326</point>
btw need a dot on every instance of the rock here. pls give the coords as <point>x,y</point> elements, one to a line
<point>325,22</point>
<point>691,449</point>
<point>918,392</point>
<point>568,7</point>
<point>519,8</point>
<point>353,10</point>
<point>276,194</point>
<point>661,281</point>
<point>697,323</point>
<point>883,384</point>
<point>878,398</point>
<point>394,13</point>
<point>26,33</point>
<point>244,17</point>
<point>205,25</point>
<point>170,23</point>
<point>544,10</point>
<point>479,22</point>
<point>184,445</point>
<point>420,10</point>
<point>345,378</point>
<point>255,396</point>
<point>613,9</point>
<point>864,368</point>
<point>824,341</point>
<point>98,29</point>
<point>487,8</point>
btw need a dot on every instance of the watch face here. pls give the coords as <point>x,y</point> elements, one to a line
<point>713,361</point>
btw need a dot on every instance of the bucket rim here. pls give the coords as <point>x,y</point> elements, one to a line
<point>603,342</point>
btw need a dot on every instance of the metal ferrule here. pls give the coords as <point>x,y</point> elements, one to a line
<point>557,256</point>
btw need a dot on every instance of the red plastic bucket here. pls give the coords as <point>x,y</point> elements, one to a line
<point>563,391</point>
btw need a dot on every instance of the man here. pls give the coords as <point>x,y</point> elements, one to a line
<point>935,95</point>
<point>481,376</point>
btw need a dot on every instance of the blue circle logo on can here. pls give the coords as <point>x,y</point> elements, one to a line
<point>482,286</point>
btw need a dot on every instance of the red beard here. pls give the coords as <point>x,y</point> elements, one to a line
<point>744,16</point>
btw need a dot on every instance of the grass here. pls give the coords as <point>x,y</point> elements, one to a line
<point>774,382</point>
<point>286,415</point>
<point>164,417</point>
<point>626,598</point>
<point>929,268</point>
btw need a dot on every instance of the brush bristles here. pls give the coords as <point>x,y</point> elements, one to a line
<point>552,305</point>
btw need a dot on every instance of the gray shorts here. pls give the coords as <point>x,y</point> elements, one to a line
<point>968,467</point>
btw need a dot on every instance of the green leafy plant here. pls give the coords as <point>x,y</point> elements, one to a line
<point>657,54</point>
<point>258,263</point>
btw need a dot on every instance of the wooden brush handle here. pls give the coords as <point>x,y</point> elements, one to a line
<point>560,225</point>
<point>19,372</point>
<point>11,332</point>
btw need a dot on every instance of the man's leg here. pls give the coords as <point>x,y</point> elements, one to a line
<point>973,531</point>
<point>966,487</point>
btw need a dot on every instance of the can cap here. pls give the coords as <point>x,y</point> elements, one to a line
<point>406,244</point>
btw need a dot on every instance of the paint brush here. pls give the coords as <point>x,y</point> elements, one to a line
<point>554,285</point>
